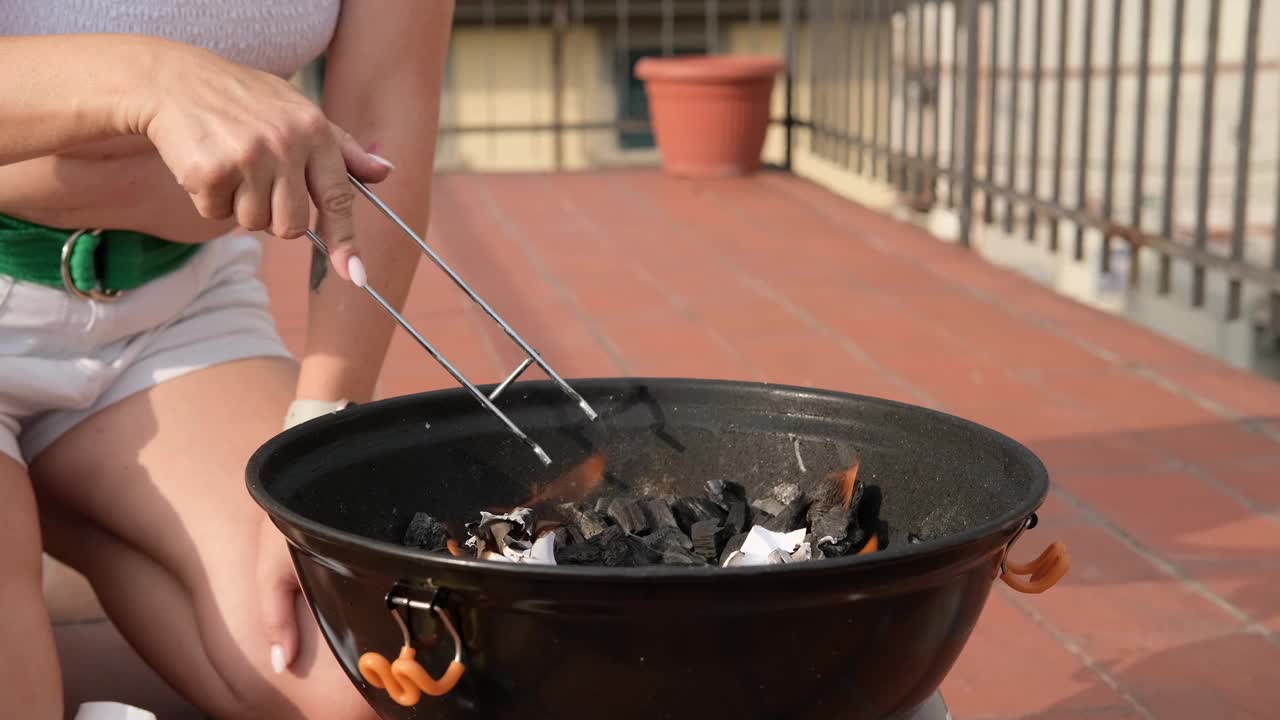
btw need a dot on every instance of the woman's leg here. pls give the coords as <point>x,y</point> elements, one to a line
<point>170,539</point>
<point>30,682</point>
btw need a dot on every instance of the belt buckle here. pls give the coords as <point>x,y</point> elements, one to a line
<point>95,294</point>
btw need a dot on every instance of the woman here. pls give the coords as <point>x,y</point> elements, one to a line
<point>140,369</point>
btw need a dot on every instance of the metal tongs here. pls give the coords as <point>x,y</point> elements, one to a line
<point>531,354</point>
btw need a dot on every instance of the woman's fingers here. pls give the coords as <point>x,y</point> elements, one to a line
<point>334,198</point>
<point>364,165</point>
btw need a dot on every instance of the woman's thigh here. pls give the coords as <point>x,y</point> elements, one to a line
<point>29,682</point>
<point>160,476</point>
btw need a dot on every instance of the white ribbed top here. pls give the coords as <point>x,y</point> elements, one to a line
<point>276,36</point>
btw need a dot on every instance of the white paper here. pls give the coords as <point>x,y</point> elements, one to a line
<point>542,552</point>
<point>761,544</point>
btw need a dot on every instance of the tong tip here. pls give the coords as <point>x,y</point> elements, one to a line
<point>542,454</point>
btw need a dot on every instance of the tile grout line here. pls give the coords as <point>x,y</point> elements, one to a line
<point>513,231</point>
<point>1168,567</point>
<point>1131,366</point>
<point>1068,643</point>
<point>678,301</point>
<point>749,280</point>
<point>1151,556</point>
<point>1112,359</point>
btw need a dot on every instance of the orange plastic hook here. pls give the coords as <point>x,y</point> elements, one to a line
<point>405,679</point>
<point>1045,571</point>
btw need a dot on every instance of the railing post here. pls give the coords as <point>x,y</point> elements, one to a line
<point>970,118</point>
<point>788,84</point>
<point>559,21</point>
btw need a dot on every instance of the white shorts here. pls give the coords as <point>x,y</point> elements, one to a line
<point>63,358</point>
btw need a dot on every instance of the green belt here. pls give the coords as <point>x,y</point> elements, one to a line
<point>93,264</point>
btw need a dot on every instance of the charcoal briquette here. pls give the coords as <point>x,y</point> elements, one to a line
<point>725,493</point>
<point>426,533</point>
<point>733,545</point>
<point>602,504</point>
<point>691,510</point>
<point>834,523</point>
<point>563,535</point>
<point>629,515</point>
<point>791,517</point>
<point>585,553</point>
<point>768,506</point>
<point>619,549</point>
<point>738,519</point>
<point>709,538</point>
<point>659,514</point>
<point>588,521</point>
<point>668,537</point>
<point>681,556</point>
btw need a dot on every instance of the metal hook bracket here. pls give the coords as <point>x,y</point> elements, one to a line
<point>405,679</point>
<point>1041,573</point>
<point>532,356</point>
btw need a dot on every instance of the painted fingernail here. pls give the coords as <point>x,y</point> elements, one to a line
<point>277,659</point>
<point>355,268</point>
<point>382,161</point>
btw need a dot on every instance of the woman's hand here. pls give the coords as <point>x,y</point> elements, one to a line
<point>278,589</point>
<point>247,144</point>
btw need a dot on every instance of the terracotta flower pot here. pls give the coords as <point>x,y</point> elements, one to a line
<point>709,113</point>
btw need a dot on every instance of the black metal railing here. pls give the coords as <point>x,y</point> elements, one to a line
<point>1056,121</point>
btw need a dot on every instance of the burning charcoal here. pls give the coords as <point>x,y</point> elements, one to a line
<point>833,524</point>
<point>724,494</point>
<point>659,513</point>
<point>680,556</point>
<point>668,537</point>
<point>575,534</point>
<point>630,516</point>
<point>791,517</point>
<point>785,493</point>
<point>709,538</point>
<point>831,531</point>
<point>588,521</point>
<point>603,502</point>
<point>768,506</point>
<point>738,519</point>
<point>690,510</point>
<point>426,533</point>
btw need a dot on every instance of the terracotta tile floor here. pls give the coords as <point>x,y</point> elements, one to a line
<point>1166,464</point>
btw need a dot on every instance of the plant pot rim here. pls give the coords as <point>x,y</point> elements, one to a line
<point>709,68</point>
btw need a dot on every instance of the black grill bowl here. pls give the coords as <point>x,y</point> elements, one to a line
<point>861,637</point>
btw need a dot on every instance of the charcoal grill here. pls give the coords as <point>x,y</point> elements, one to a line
<point>868,636</point>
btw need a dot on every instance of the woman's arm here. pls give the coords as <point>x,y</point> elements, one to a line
<point>383,78</point>
<point>242,143</point>
<point>60,91</point>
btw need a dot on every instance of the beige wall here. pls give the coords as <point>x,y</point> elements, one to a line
<point>505,76</point>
